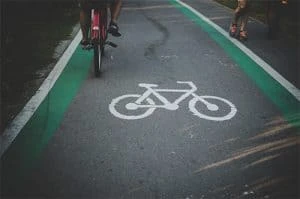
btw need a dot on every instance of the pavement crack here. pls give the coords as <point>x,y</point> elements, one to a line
<point>150,50</point>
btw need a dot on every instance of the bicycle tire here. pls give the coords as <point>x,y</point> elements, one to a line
<point>97,60</point>
<point>99,45</point>
<point>227,116</point>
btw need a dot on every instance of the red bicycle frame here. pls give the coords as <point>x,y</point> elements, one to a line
<point>99,25</point>
<point>98,35</point>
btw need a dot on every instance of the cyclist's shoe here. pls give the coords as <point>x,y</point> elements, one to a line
<point>84,44</point>
<point>233,30</point>
<point>114,29</point>
<point>243,35</point>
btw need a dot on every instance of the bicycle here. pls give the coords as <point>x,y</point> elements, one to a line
<point>98,35</point>
<point>147,105</point>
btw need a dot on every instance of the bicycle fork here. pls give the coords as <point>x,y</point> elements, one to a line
<point>210,106</point>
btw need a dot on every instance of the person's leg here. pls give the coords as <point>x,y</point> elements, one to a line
<point>243,30</point>
<point>85,21</point>
<point>115,9</point>
<point>236,16</point>
<point>84,24</point>
<point>244,20</point>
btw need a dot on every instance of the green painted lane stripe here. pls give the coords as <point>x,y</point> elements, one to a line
<point>33,138</point>
<point>286,103</point>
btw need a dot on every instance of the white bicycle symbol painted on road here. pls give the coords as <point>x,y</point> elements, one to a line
<point>147,106</point>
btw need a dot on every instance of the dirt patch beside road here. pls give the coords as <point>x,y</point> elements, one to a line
<point>33,36</point>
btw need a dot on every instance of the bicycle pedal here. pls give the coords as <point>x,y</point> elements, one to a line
<point>112,44</point>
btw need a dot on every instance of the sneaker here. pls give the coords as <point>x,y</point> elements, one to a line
<point>232,30</point>
<point>243,35</point>
<point>114,29</point>
<point>84,43</point>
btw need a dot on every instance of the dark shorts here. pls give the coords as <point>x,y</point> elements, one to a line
<point>88,4</point>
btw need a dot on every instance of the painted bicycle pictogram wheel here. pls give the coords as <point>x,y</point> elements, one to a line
<point>212,108</point>
<point>131,109</point>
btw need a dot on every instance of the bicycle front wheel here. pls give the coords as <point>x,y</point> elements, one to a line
<point>98,55</point>
<point>227,114</point>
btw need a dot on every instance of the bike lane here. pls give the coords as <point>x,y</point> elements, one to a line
<point>169,154</point>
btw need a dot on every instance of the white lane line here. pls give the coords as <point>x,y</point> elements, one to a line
<point>219,18</point>
<point>14,128</point>
<point>273,73</point>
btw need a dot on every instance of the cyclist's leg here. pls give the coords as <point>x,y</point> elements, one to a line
<point>115,9</point>
<point>85,20</point>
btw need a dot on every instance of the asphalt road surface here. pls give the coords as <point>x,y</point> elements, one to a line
<point>174,114</point>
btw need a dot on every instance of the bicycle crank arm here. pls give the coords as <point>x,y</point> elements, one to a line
<point>111,44</point>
